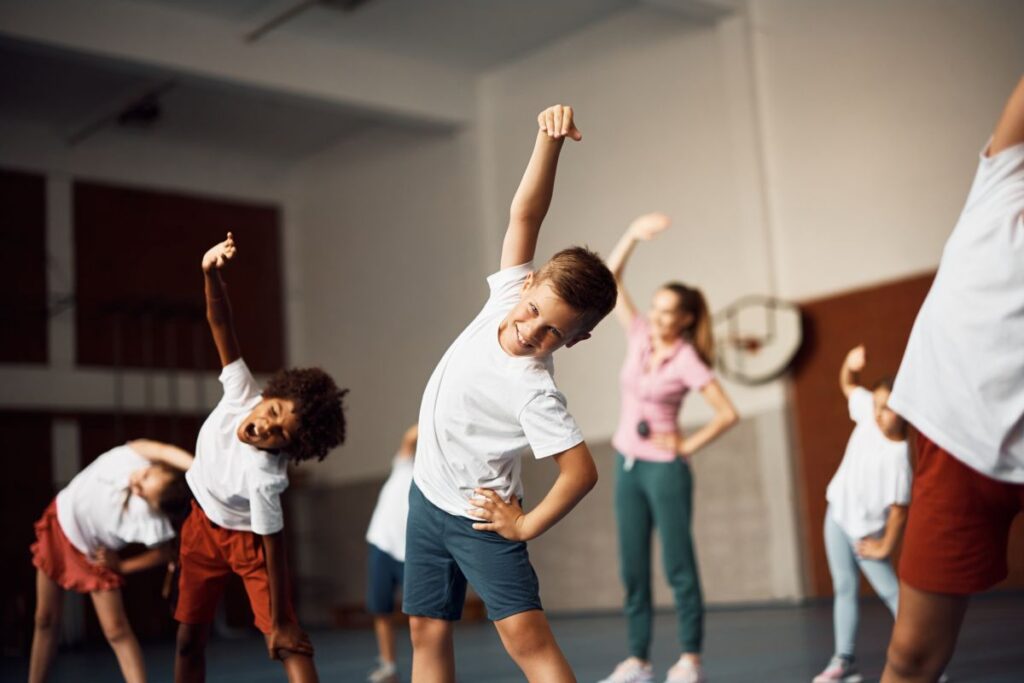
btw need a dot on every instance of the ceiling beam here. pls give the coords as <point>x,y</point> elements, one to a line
<point>199,45</point>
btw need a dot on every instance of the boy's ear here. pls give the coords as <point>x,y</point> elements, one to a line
<point>527,283</point>
<point>577,339</point>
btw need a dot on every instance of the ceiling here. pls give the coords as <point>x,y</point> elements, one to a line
<point>68,93</point>
<point>469,34</point>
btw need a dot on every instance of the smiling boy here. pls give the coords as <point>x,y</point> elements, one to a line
<point>491,399</point>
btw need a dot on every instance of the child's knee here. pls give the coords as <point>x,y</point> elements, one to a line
<point>845,585</point>
<point>190,642</point>
<point>910,656</point>
<point>525,639</point>
<point>117,630</point>
<point>426,632</point>
<point>47,619</point>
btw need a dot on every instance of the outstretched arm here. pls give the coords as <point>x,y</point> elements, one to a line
<point>577,475</point>
<point>532,199</point>
<point>852,365</point>
<point>642,228</point>
<point>218,306</point>
<point>156,451</point>
<point>1010,128</point>
<point>285,637</point>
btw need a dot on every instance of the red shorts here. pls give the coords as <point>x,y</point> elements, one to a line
<point>958,526</point>
<point>209,554</point>
<point>66,565</point>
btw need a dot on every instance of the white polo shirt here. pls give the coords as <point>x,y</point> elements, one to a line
<point>238,486</point>
<point>483,409</point>
<point>961,382</point>
<point>387,525</point>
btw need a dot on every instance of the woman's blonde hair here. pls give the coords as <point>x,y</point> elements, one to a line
<point>698,332</point>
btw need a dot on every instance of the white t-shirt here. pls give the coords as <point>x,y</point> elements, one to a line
<point>874,474</point>
<point>483,409</point>
<point>91,509</point>
<point>238,486</point>
<point>961,382</point>
<point>387,526</point>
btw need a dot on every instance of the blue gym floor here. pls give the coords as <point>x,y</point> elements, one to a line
<point>783,644</point>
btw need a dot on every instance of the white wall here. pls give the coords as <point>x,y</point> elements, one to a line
<point>873,113</point>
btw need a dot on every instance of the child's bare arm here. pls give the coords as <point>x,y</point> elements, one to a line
<point>852,365</point>
<point>881,548</point>
<point>218,306</point>
<point>285,635</point>
<point>156,451</point>
<point>577,475</point>
<point>408,445</point>
<point>642,228</point>
<point>532,199</point>
<point>1010,128</point>
<point>148,559</point>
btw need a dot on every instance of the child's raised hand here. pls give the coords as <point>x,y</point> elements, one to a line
<point>857,358</point>
<point>219,254</point>
<point>107,558</point>
<point>505,519</point>
<point>557,121</point>
<point>288,639</point>
<point>647,226</point>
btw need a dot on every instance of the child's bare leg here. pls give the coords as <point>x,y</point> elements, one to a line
<point>298,668</point>
<point>113,620</point>
<point>384,627</point>
<point>190,653</point>
<point>49,599</point>
<point>433,651</point>
<point>927,625</point>
<point>528,639</point>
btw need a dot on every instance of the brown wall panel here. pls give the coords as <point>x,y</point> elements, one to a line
<point>139,286</point>
<point>23,306</point>
<point>880,317</point>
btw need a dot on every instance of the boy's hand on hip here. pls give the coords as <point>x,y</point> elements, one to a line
<point>219,254</point>
<point>505,519</point>
<point>291,639</point>
<point>557,122</point>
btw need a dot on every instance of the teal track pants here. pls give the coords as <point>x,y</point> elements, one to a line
<point>649,495</point>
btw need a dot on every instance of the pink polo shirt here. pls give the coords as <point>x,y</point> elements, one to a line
<point>655,396</point>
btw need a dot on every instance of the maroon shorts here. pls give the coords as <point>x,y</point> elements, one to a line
<point>958,526</point>
<point>66,565</point>
<point>209,554</point>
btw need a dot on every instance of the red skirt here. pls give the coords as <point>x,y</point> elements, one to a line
<point>53,554</point>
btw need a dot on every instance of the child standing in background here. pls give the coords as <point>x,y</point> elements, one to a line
<point>127,495</point>
<point>491,399</point>
<point>867,509</point>
<point>240,470</point>
<point>385,568</point>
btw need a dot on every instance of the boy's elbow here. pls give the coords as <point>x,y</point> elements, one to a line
<point>590,477</point>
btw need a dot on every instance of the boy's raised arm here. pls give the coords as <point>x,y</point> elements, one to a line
<point>532,199</point>
<point>218,306</point>
<point>1010,129</point>
<point>854,362</point>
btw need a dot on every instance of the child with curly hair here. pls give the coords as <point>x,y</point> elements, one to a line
<point>240,470</point>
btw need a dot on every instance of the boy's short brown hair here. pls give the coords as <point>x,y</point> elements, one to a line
<point>581,279</point>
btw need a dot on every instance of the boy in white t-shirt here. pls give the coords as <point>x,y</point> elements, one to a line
<point>386,558</point>
<point>491,399</point>
<point>867,508</point>
<point>961,385</point>
<point>239,472</point>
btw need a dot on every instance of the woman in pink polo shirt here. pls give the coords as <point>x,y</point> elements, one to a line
<point>670,351</point>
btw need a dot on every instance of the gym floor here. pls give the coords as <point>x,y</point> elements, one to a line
<point>757,644</point>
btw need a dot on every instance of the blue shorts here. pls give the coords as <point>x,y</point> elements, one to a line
<point>443,551</point>
<point>384,578</point>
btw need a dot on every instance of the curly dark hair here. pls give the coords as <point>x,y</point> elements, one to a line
<point>318,404</point>
<point>175,497</point>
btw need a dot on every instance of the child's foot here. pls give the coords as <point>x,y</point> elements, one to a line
<point>631,671</point>
<point>384,673</point>
<point>839,670</point>
<point>686,670</point>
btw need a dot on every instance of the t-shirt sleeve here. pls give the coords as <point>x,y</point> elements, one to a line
<point>861,404</point>
<point>904,478</point>
<point>994,174</point>
<point>239,384</point>
<point>265,505</point>
<point>548,426</point>
<point>692,369</point>
<point>505,285</point>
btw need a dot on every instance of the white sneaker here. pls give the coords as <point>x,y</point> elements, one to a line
<point>386,672</point>
<point>839,670</point>
<point>631,671</point>
<point>685,671</point>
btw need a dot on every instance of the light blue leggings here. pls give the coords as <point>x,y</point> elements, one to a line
<point>843,563</point>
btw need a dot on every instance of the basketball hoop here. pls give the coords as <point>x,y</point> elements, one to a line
<point>756,338</point>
